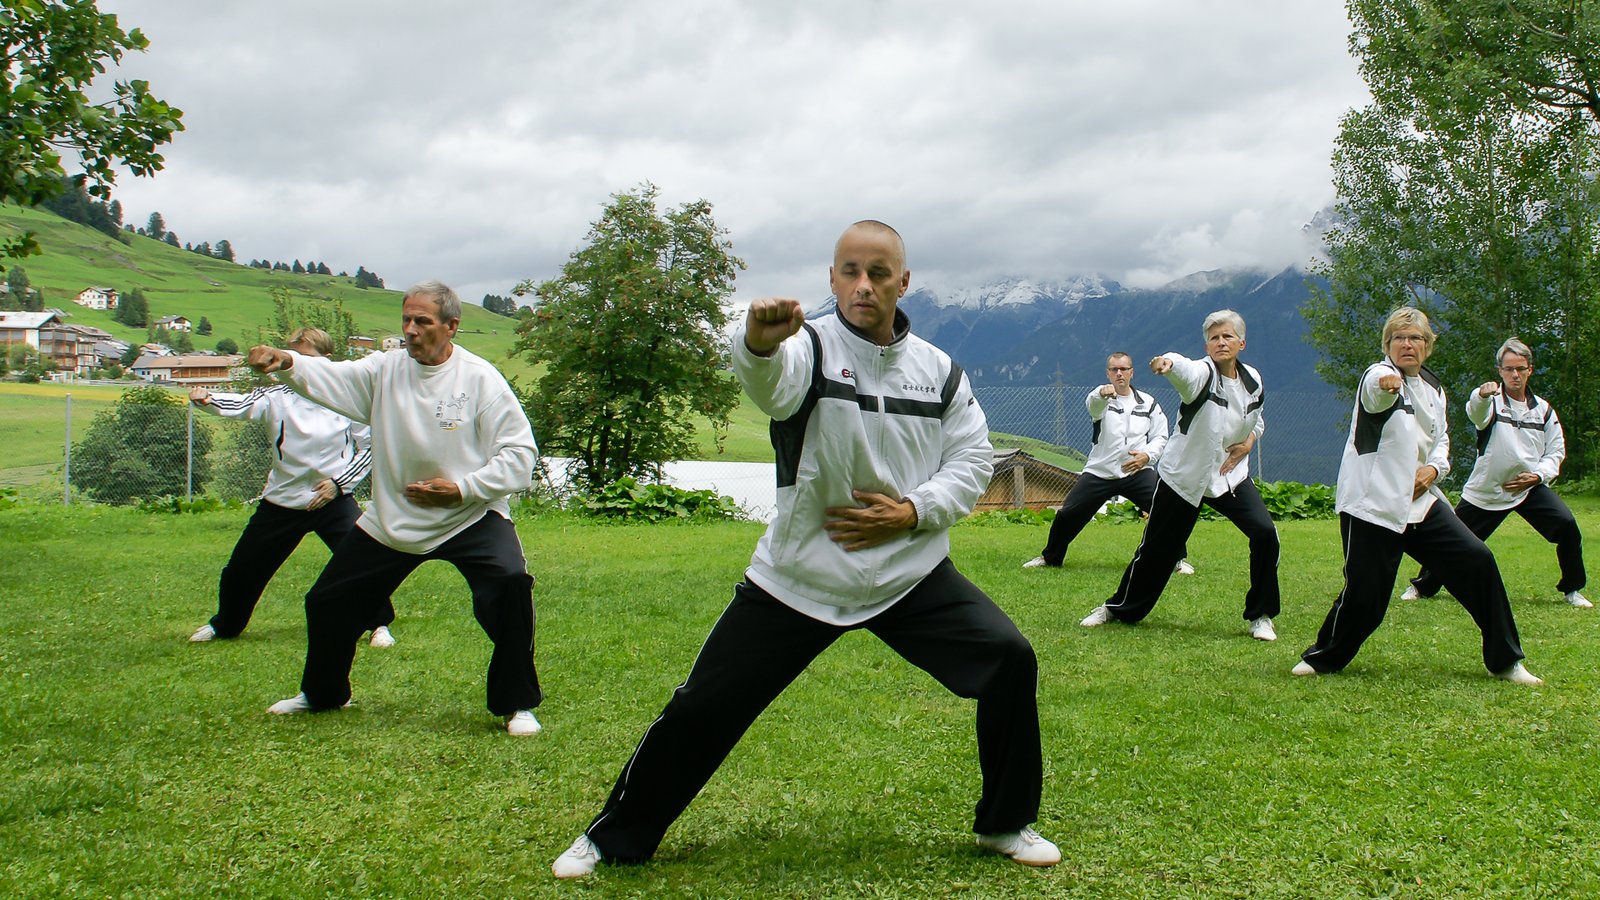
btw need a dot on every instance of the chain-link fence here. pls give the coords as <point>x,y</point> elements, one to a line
<point>117,450</point>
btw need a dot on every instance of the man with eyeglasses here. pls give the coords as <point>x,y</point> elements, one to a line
<point>1520,449</point>
<point>1130,431</point>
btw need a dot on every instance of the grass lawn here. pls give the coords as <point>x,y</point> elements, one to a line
<point>1181,758</point>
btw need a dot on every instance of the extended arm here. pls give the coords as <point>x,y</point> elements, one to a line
<point>774,370</point>
<point>344,387</point>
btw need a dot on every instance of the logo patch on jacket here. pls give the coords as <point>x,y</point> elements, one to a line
<point>451,411</point>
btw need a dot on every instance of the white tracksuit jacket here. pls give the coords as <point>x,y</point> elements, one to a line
<point>1216,413</point>
<point>1123,424</point>
<point>899,420</point>
<point>1391,436</point>
<point>1512,441</point>
<point>309,442</point>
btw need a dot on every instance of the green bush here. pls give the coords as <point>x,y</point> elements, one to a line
<point>628,500</point>
<point>1293,500</point>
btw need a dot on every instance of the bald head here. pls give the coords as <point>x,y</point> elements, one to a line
<point>877,229</point>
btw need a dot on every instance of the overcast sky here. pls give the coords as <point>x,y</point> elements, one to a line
<point>1139,140</point>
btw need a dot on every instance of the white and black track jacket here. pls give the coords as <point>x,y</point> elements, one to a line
<point>1215,414</point>
<point>848,415</point>
<point>308,442</point>
<point>1121,425</point>
<point>1391,437</point>
<point>1513,438</point>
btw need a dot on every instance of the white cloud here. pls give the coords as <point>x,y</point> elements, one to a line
<point>476,142</point>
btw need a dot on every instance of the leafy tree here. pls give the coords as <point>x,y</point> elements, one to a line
<point>1472,199</point>
<point>53,50</point>
<point>74,204</point>
<point>130,355</point>
<point>504,306</point>
<point>204,327</point>
<point>18,289</point>
<point>330,315</point>
<point>1536,55</point>
<point>133,310</point>
<point>156,227</point>
<point>629,337</point>
<point>227,345</point>
<point>366,279</point>
<point>137,449</point>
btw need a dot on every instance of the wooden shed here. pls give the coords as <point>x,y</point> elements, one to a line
<point>1021,480</point>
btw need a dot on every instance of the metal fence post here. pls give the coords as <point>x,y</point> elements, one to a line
<point>188,456</point>
<point>66,452</point>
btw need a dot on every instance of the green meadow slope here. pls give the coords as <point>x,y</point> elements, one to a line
<point>235,298</point>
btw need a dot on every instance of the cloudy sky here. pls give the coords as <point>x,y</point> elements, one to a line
<point>1139,140</point>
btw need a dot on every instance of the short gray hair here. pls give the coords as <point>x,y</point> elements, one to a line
<point>449,303</point>
<point>1408,317</point>
<point>1223,317</point>
<point>1512,345</point>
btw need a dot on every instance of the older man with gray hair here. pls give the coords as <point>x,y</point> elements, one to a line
<point>1520,450</point>
<point>449,443</point>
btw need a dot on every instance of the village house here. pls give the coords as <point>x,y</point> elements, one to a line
<point>97,298</point>
<point>188,370</point>
<point>23,327</point>
<point>72,347</point>
<point>173,323</point>
<point>392,342</point>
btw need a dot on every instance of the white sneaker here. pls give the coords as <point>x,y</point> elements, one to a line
<point>1025,846</point>
<point>1098,616</point>
<point>381,637</point>
<point>1576,598</point>
<point>1036,563</point>
<point>579,860</point>
<point>1261,629</point>
<point>1410,593</point>
<point>206,632</point>
<point>296,704</point>
<point>1517,674</point>
<point>1303,668</point>
<point>522,723</point>
<point>1183,568</point>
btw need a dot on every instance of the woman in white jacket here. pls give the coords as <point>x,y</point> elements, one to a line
<point>318,458</point>
<point>1389,503</point>
<point>1206,462</point>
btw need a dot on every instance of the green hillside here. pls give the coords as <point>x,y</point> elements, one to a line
<point>235,298</point>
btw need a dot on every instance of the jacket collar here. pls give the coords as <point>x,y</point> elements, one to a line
<point>902,327</point>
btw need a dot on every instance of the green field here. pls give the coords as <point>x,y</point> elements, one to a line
<point>1181,758</point>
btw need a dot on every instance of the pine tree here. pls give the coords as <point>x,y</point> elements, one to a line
<point>156,227</point>
<point>115,211</point>
<point>204,327</point>
<point>171,239</point>
<point>297,268</point>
